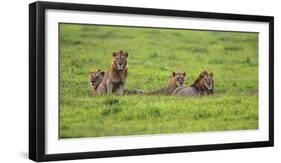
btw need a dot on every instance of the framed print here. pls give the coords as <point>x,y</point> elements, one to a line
<point>108,81</point>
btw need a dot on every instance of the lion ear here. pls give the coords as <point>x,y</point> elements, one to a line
<point>126,54</point>
<point>173,73</point>
<point>211,74</point>
<point>102,73</point>
<point>202,74</point>
<point>99,70</point>
<point>114,54</point>
<point>184,74</point>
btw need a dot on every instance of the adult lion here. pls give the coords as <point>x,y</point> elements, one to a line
<point>115,78</point>
<point>203,85</point>
<point>95,78</point>
<point>176,80</point>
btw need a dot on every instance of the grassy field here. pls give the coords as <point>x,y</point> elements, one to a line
<point>153,55</point>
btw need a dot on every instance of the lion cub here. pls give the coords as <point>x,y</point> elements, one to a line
<point>115,78</point>
<point>176,81</point>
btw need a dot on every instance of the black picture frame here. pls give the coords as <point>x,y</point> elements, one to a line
<point>37,80</point>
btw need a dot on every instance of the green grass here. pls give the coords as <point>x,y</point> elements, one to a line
<point>153,55</point>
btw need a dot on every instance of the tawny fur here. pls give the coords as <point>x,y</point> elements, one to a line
<point>176,80</point>
<point>115,78</point>
<point>95,78</point>
<point>97,82</point>
<point>203,85</point>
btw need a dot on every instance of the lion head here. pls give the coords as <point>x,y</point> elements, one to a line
<point>178,78</point>
<point>205,82</point>
<point>120,59</point>
<point>96,77</point>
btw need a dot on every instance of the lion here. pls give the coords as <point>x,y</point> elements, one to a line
<point>176,80</point>
<point>203,85</point>
<point>116,77</point>
<point>97,77</point>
